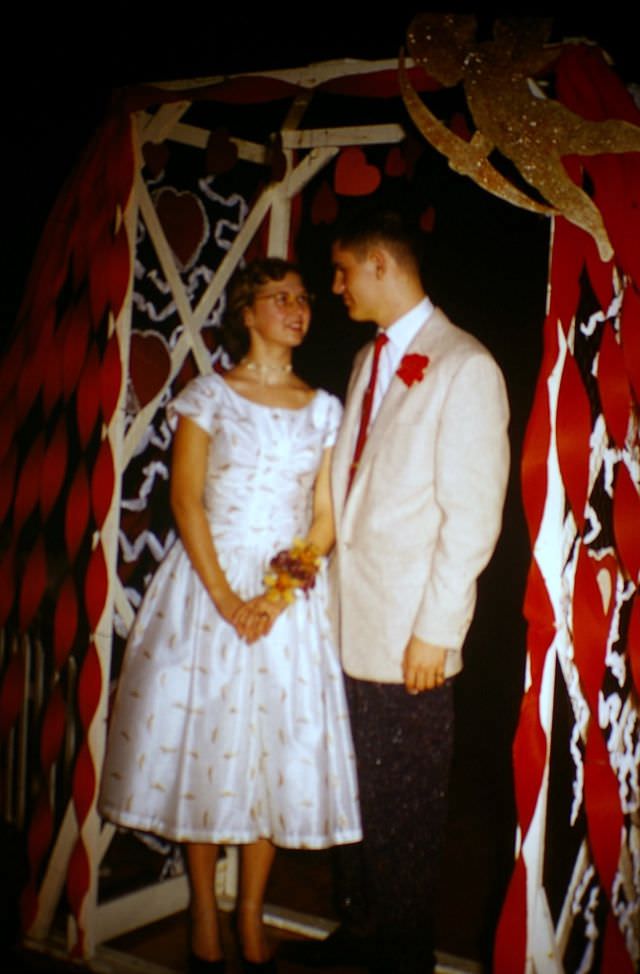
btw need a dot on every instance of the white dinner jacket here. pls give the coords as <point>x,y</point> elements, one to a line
<point>424,511</point>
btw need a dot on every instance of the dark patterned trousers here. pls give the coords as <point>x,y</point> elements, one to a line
<point>403,747</point>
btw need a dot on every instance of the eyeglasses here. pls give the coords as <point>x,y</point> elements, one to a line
<point>284,299</point>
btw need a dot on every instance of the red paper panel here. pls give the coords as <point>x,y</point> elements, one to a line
<point>30,380</point>
<point>96,586</point>
<point>529,757</point>
<point>511,937</point>
<point>40,832</point>
<point>615,956</point>
<point>78,875</point>
<point>88,396</point>
<point>11,694</point>
<point>75,332</point>
<point>626,522</point>
<point>602,804</point>
<point>633,643</point>
<point>52,732</point>
<point>615,395</point>
<point>8,470</point>
<point>534,461</point>
<point>89,687</point>
<point>590,627</point>
<point>110,378</point>
<point>7,583</point>
<point>77,512</point>
<point>34,583</point>
<point>65,621</point>
<point>118,270</point>
<point>28,488</point>
<point>84,783</point>
<point>573,431</point>
<point>7,426</point>
<point>103,481</point>
<point>54,468</point>
<point>11,366</point>
<point>630,333</point>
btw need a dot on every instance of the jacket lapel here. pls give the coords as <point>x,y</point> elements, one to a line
<point>345,445</point>
<point>424,343</point>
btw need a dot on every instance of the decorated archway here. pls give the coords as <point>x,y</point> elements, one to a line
<point>179,185</point>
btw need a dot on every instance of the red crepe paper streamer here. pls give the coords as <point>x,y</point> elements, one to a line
<point>34,583</point>
<point>65,621</point>
<point>12,693</point>
<point>626,522</point>
<point>89,687</point>
<point>77,512</point>
<point>615,395</point>
<point>110,378</point>
<point>54,468</point>
<point>52,733</point>
<point>96,586</point>
<point>573,432</point>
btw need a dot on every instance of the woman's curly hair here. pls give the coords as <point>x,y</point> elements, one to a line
<point>241,294</point>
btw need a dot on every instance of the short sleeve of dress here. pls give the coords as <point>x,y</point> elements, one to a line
<point>199,401</point>
<point>327,416</point>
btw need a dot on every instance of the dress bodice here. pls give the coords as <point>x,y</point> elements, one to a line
<point>262,464</point>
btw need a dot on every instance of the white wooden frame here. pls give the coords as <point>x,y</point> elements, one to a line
<point>101,922</point>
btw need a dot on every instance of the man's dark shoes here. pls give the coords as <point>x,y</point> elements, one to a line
<point>342,948</point>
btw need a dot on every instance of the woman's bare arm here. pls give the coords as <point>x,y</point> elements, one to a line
<point>189,468</point>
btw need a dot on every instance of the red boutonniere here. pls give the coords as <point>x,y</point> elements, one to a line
<point>412,369</point>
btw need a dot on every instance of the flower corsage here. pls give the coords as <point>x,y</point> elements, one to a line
<point>412,368</point>
<point>293,569</point>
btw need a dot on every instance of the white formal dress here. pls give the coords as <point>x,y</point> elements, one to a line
<point>213,740</point>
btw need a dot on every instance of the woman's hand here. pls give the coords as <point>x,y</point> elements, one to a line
<point>255,617</point>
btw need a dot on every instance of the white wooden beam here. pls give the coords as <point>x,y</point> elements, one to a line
<point>349,135</point>
<point>157,127</point>
<point>308,77</point>
<point>198,137</point>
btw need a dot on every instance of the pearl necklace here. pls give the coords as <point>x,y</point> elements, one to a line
<point>263,370</point>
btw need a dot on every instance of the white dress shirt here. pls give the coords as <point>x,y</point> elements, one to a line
<point>400,334</point>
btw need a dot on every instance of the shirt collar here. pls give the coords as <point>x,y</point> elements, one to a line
<point>402,332</point>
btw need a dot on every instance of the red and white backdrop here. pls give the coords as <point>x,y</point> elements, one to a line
<point>574,900</point>
<point>122,308</point>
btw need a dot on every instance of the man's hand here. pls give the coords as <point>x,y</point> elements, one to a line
<point>422,666</point>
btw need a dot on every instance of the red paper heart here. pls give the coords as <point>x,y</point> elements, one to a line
<point>412,149</point>
<point>156,157</point>
<point>149,365</point>
<point>221,154</point>
<point>428,219</point>
<point>395,164</point>
<point>324,208</point>
<point>184,222</point>
<point>354,176</point>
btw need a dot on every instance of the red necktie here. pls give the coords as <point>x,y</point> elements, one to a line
<point>367,404</point>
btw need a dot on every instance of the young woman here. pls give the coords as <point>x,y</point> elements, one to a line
<point>230,723</point>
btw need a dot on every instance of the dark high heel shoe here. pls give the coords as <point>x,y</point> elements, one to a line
<point>198,965</point>
<point>259,967</point>
<point>251,966</point>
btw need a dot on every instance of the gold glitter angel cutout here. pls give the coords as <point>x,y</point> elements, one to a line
<point>510,114</point>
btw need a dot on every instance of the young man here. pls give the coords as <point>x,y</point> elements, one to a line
<point>419,476</point>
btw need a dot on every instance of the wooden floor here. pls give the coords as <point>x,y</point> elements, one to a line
<point>477,864</point>
<point>300,883</point>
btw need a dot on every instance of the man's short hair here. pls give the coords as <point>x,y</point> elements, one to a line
<point>362,229</point>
